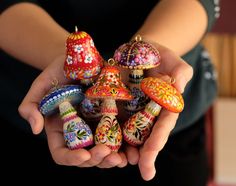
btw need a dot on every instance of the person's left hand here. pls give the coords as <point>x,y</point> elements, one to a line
<point>145,156</point>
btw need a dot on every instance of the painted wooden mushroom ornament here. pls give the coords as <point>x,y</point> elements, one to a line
<point>109,88</point>
<point>136,55</point>
<point>77,133</point>
<point>162,94</point>
<point>83,62</point>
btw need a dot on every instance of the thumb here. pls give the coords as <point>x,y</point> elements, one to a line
<point>29,111</point>
<point>147,163</point>
<point>182,73</point>
<point>155,143</point>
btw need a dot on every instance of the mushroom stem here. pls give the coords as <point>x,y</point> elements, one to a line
<point>109,107</point>
<point>77,133</point>
<point>137,129</point>
<point>135,76</point>
<point>140,99</point>
<point>153,108</point>
<point>108,131</point>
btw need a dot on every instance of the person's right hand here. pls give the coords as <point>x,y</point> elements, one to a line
<point>172,66</point>
<point>99,155</point>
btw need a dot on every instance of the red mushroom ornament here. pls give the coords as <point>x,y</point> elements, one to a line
<point>162,94</point>
<point>83,62</point>
<point>136,55</point>
<point>109,88</point>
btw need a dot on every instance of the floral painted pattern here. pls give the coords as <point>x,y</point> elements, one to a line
<point>83,60</point>
<point>91,108</point>
<point>88,58</point>
<point>137,55</point>
<point>109,85</point>
<point>138,127</point>
<point>69,60</point>
<point>78,48</point>
<point>77,133</point>
<point>163,93</point>
<point>109,132</point>
<point>138,102</point>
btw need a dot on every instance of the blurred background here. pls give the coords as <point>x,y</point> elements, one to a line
<point>221,127</point>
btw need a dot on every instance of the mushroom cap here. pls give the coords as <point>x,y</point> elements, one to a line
<point>109,85</point>
<point>50,103</point>
<point>163,93</point>
<point>83,60</point>
<point>137,55</point>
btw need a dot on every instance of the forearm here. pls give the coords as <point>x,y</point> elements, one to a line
<point>29,34</point>
<point>176,24</point>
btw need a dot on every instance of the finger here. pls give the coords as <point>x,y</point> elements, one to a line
<point>111,160</point>
<point>28,109</point>
<point>182,74</point>
<point>64,156</point>
<point>174,66</point>
<point>124,161</point>
<point>132,154</point>
<point>155,143</point>
<point>98,153</point>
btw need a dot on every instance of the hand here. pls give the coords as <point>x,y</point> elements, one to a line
<point>175,67</point>
<point>100,155</point>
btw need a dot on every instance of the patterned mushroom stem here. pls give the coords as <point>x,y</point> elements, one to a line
<point>77,133</point>
<point>137,129</point>
<point>140,99</point>
<point>108,131</point>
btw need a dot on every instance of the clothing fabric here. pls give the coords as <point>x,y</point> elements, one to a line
<point>110,24</point>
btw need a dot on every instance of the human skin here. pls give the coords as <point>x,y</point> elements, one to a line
<point>173,26</point>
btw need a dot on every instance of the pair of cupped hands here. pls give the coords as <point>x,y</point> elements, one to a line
<point>100,155</point>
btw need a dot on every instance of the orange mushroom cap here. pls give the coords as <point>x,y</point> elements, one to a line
<point>163,93</point>
<point>109,85</point>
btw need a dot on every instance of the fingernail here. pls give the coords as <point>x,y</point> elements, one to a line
<point>32,123</point>
<point>182,83</point>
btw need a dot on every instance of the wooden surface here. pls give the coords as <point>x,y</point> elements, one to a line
<point>222,49</point>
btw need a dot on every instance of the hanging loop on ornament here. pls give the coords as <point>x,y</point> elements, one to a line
<point>172,80</point>
<point>111,62</point>
<point>76,29</point>
<point>138,38</point>
<point>55,83</point>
